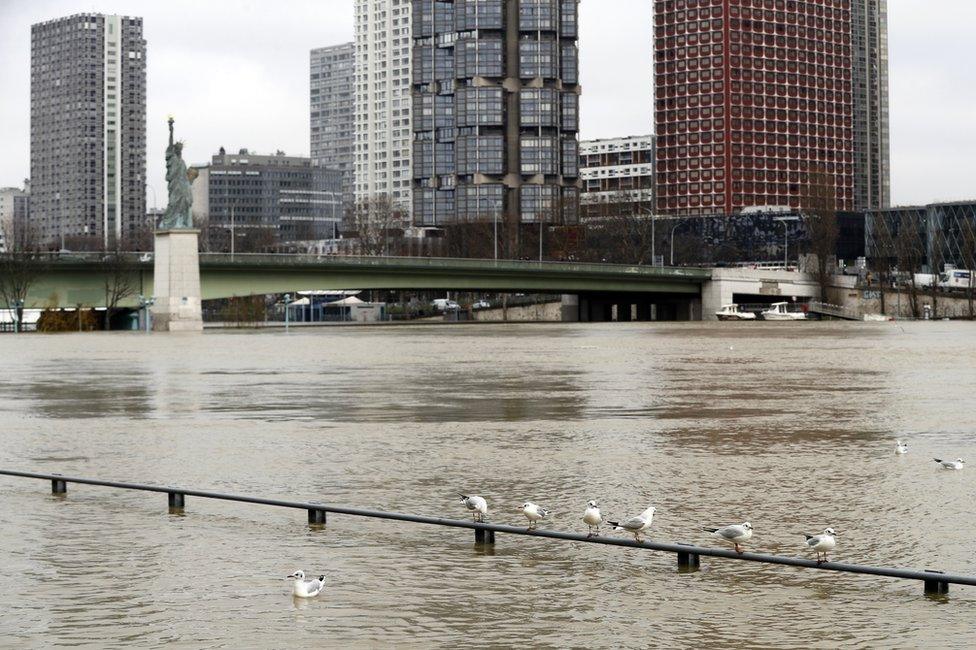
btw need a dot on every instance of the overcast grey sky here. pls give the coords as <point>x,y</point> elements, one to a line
<point>235,74</point>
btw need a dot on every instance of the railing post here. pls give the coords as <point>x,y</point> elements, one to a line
<point>176,501</point>
<point>58,486</point>
<point>688,562</point>
<point>482,536</point>
<point>936,587</point>
<point>316,517</point>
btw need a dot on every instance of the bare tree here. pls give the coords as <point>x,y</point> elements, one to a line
<point>936,258</point>
<point>908,245</point>
<point>819,208</point>
<point>378,224</point>
<point>882,254</point>
<point>20,268</point>
<point>119,281</point>
<point>969,259</point>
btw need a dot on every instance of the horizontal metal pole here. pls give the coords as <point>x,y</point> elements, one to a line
<point>906,574</point>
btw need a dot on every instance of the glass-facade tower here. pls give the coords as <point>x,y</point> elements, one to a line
<point>495,111</point>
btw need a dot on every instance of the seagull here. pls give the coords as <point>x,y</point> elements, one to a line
<point>306,588</point>
<point>637,524</point>
<point>951,464</point>
<point>533,513</point>
<point>822,543</point>
<point>592,518</point>
<point>735,534</point>
<point>477,505</point>
<point>901,448</point>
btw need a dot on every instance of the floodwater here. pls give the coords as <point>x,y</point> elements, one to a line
<point>789,425</point>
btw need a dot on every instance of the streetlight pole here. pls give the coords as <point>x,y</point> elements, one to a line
<point>232,238</point>
<point>540,239</point>
<point>146,303</point>
<point>496,235</point>
<point>786,239</point>
<point>287,301</point>
<point>673,228</point>
<point>18,311</point>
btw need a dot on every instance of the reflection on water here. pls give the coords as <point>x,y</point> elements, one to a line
<point>791,426</point>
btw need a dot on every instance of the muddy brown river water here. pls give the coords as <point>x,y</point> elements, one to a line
<point>791,426</point>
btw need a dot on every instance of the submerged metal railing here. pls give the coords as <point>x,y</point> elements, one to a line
<point>688,555</point>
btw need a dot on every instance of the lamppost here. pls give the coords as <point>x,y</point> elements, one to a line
<point>18,312</point>
<point>786,239</point>
<point>495,214</point>
<point>144,304</point>
<point>653,229</point>
<point>673,228</point>
<point>287,302</point>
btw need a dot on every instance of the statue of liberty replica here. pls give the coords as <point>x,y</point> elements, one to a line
<point>178,215</point>
<point>176,263</point>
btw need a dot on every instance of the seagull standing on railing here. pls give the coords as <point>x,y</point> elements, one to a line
<point>735,534</point>
<point>477,505</point>
<point>950,464</point>
<point>306,588</point>
<point>533,513</point>
<point>901,447</point>
<point>637,524</point>
<point>822,543</point>
<point>592,518</point>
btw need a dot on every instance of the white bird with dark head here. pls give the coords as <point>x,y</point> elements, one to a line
<point>592,518</point>
<point>951,464</point>
<point>636,525</point>
<point>533,513</point>
<point>901,447</point>
<point>823,543</point>
<point>735,534</point>
<point>306,588</point>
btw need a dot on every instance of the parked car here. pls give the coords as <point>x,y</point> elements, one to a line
<point>480,304</point>
<point>444,304</point>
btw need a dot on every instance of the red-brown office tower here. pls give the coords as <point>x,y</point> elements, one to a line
<point>753,103</point>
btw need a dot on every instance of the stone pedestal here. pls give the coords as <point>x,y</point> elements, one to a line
<point>176,282</point>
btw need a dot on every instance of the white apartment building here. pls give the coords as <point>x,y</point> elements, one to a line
<point>618,174</point>
<point>383,145</point>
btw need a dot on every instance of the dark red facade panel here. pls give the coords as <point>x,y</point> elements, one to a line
<point>753,103</point>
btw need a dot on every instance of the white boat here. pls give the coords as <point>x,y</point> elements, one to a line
<point>779,311</point>
<point>732,312</point>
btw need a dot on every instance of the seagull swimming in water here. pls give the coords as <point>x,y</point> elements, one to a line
<point>822,543</point>
<point>735,534</point>
<point>950,464</point>
<point>477,505</point>
<point>306,588</point>
<point>533,513</point>
<point>637,524</point>
<point>901,448</point>
<point>592,518</point>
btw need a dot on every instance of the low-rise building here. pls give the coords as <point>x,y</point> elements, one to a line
<point>618,176</point>
<point>255,201</point>
<point>14,212</point>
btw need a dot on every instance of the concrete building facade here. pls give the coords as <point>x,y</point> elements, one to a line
<point>88,129</point>
<point>872,153</point>
<point>14,215</point>
<point>383,145</point>
<point>754,103</point>
<point>618,176</point>
<point>496,111</point>
<point>256,201</point>
<point>332,109</point>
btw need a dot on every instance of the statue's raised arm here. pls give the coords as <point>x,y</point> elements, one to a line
<point>178,214</point>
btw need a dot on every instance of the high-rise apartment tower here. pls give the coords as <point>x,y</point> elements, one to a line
<point>331,92</point>
<point>382,104</point>
<point>872,157</point>
<point>88,128</point>
<point>753,104</point>
<point>496,111</point>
